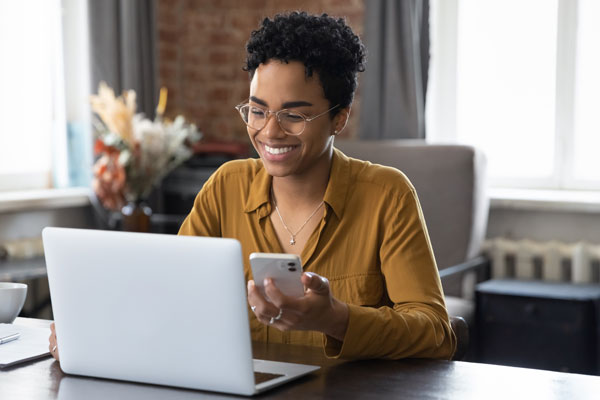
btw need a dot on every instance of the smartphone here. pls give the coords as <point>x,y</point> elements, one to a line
<point>284,269</point>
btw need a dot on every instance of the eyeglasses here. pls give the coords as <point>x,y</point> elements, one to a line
<point>291,122</point>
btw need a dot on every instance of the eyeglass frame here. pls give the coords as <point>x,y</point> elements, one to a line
<point>268,114</point>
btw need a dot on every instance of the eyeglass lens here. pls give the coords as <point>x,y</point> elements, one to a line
<point>256,118</point>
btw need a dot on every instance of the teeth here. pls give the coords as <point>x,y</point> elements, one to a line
<point>278,150</point>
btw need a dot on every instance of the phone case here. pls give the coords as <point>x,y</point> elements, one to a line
<point>284,269</point>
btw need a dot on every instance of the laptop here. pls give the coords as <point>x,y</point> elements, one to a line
<point>160,309</point>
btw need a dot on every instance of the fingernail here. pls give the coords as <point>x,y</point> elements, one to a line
<point>310,274</point>
<point>267,282</point>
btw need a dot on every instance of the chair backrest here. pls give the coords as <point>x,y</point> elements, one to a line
<point>450,184</point>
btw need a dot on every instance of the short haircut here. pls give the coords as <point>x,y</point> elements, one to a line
<point>322,43</point>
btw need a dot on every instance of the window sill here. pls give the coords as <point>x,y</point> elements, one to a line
<point>500,198</point>
<point>44,199</point>
<point>545,200</point>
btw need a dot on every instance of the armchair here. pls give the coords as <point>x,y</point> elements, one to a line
<point>450,183</point>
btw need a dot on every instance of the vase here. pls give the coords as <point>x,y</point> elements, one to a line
<point>136,216</point>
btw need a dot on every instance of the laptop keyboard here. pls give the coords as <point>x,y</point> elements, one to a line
<point>260,377</point>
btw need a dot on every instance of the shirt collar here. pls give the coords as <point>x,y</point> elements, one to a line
<point>335,195</point>
<point>339,181</point>
<point>259,190</point>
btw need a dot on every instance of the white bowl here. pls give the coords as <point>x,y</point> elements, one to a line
<point>12,298</point>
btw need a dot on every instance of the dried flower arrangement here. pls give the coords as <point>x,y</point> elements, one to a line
<point>135,153</point>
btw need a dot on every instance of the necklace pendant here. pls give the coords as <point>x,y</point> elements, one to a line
<point>292,241</point>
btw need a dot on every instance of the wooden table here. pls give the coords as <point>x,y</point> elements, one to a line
<point>371,379</point>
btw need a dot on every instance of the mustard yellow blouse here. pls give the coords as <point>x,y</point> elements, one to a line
<point>372,245</point>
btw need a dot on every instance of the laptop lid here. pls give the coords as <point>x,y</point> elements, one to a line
<point>151,308</point>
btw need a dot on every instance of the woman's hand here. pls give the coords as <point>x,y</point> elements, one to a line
<point>53,344</point>
<point>318,310</point>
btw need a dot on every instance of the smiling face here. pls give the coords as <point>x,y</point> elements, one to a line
<point>275,86</point>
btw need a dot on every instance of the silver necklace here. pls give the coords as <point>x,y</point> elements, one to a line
<point>293,235</point>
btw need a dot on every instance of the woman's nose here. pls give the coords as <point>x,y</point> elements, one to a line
<point>272,128</point>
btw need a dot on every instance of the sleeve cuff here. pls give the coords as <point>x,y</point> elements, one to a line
<point>376,333</point>
<point>350,347</point>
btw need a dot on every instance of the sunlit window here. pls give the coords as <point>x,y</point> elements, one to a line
<point>586,163</point>
<point>519,79</point>
<point>506,80</point>
<point>31,91</point>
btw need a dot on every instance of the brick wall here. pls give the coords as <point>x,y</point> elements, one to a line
<point>202,51</point>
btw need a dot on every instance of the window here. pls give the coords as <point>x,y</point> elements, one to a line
<point>32,99</point>
<point>519,79</point>
<point>586,123</point>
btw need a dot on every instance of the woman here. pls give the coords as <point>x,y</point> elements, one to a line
<point>372,289</point>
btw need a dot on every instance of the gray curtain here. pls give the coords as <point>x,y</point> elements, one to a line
<point>395,81</point>
<point>123,48</point>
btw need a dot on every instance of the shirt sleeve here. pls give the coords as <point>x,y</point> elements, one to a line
<point>203,219</point>
<point>417,325</point>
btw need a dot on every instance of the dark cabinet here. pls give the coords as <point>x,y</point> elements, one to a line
<point>554,326</point>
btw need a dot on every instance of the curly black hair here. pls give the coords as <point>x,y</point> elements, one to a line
<point>322,43</point>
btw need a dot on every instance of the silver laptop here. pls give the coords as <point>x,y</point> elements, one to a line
<point>160,309</point>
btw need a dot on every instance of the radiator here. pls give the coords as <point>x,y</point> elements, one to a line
<point>552,261</point>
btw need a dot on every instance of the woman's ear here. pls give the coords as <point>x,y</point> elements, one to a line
<point>341,120</point>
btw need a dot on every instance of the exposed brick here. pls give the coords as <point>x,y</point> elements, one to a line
<point>168,35</point>
<point>219,94</point>
<point>190,97</point>
<point>223,72</point>
<point>199,111</point>
<point>221,57</point>
<point>195,56</point>
<point>254,4</point>
<point>167,53</point>
<point>245,22</point>
<point>167,70</point>
<point>277,6</point>
<point>194,75</point>
<point>170,4</point>
<point>170,18</point>
<point>206,22</point>
<point>339,4</point>
<point>224,128</point>
<point>238,4</point>
<point>223,38</point>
